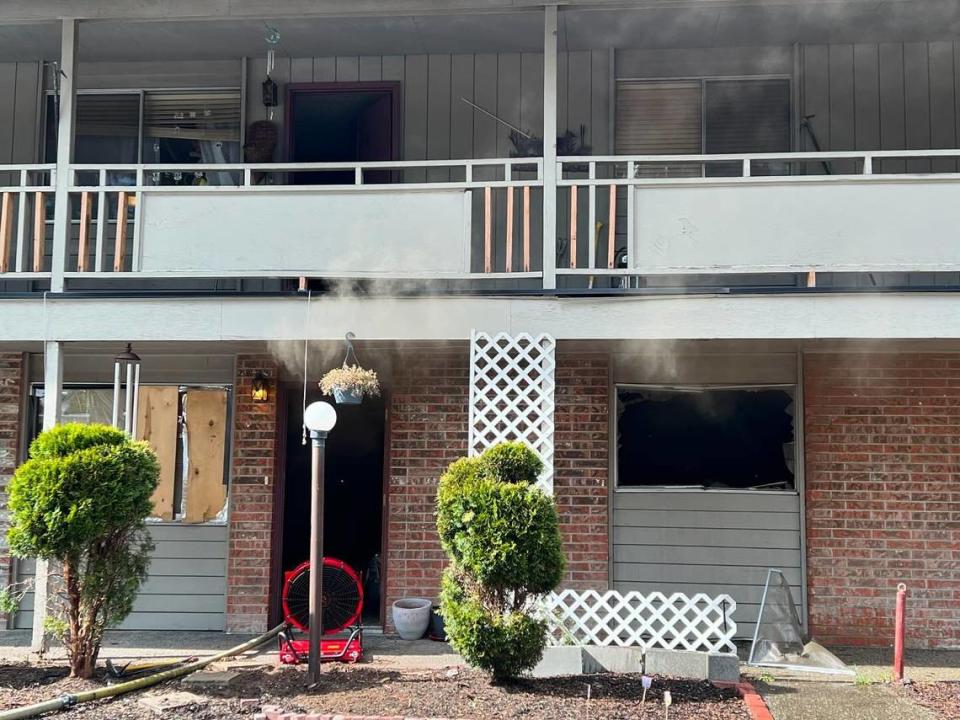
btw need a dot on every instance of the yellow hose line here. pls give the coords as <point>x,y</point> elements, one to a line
<point>65,701</point>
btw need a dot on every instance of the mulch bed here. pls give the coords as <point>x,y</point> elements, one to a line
<point>360,689</point>
<point>943,697</point>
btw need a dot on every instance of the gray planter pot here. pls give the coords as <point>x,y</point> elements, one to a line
<point>347,396</point>
<point>411,617</point>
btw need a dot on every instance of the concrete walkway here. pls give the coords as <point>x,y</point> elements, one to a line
<point>386,652</point>
<point>869,696</point>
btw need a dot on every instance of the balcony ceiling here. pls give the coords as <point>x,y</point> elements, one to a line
<point>707,23</point>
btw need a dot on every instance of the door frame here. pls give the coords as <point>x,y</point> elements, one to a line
<point>286,391</point>
<point>316,88</point>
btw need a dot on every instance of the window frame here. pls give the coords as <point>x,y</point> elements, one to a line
<point>142,92</point>
<point>703,80</point>
<point>794,388</point>
<point>34,427</point>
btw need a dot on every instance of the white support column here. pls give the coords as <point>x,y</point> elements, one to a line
<point>52,391</point>
<point>550,147</point>
<point>65,126</point>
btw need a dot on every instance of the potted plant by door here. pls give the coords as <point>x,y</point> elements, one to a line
<point>350,384</point>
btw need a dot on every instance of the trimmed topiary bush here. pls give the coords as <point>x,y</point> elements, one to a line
<point>81,500</point>
<point>502,537</point>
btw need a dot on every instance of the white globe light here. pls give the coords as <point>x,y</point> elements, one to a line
<point>320,417</point>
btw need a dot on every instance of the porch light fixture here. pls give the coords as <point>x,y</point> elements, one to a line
<point>260,391</point>
<point>319,418</point>
<point>126,389</point>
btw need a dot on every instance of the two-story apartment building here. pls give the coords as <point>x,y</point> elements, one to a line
<point>740,232</point>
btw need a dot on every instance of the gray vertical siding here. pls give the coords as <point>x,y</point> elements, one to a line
<point>710,542</point>
<point>186,584</point>
<point>19,112</point>
<point>436,124</point>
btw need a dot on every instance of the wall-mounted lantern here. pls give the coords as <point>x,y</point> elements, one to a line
<point>126,389</point>
<point>260,390</point>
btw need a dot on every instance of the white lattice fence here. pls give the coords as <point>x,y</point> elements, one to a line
<point>511,394</point>
<point>653,620</point>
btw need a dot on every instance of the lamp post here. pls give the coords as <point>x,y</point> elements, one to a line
<point>319,418</point>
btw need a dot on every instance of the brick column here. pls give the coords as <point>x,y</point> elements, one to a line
<point>12,369</point>
<point>581,465</point>
<point>882,444</point>
<point>252,477</point>
<point>428,431</point>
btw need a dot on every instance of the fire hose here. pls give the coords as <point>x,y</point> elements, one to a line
<point>71,699</point>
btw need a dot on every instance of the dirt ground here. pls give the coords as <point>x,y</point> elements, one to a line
<point>452,693</point>
<point>941,697</point>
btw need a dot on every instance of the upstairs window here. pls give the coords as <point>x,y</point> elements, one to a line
<point>700,117</point>
<point>153,126</point>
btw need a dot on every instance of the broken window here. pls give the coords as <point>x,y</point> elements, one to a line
<point>705,438</point>
<point>187,427</point>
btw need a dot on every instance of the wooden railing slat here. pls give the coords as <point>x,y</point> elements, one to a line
<point>573,226</point>
<point>120,245</point>
<point>39,230</point>
<point>526,228</point>
<point>612,230</point>
<point>488,230</point>
<point>6,229</point>
<point>509,261</point>
<point>86,212</point>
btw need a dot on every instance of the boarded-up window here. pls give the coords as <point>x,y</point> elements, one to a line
<point>187,427</point>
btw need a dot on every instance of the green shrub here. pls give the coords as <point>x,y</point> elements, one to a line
<point>81,501</point>
<point>502,536</point>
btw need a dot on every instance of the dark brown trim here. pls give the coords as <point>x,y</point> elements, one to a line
<point>385,519</point>
<point>279,491</point>
<point>391,86</point>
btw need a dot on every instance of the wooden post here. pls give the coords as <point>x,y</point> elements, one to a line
<point>811,279</point>
<point>488,229</point>
<point>6,229</point>
<point>120,245</point>
<point>549,240</point>
<point>39,230</point>
<point>509,263</point>
<point>86,212</point>
<point>63,178</point>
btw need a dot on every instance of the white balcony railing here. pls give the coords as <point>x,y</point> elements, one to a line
<point>25,192</point>
<point>798,212</point>
<point>427,219</point>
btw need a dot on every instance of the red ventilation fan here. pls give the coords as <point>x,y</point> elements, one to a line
<point>342,607</point>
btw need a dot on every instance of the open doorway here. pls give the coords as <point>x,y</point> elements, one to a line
<point>353,495</point>
<point>342,122</point>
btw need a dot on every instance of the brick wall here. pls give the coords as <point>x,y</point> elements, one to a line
<point>12,367</point>
<point>581,465</point>
<point>882,440</point>
<point>253,472</point>
<point>428,429</point>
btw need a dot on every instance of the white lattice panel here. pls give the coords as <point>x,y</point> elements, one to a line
<point>654,620</point>
<point>511,394</point>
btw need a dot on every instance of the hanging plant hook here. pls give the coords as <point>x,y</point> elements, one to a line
<point>351,354</point>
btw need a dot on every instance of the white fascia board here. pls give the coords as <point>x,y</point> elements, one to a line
<point>814,316</point>
<point>45,10</point>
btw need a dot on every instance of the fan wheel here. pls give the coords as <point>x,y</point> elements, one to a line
<point>342,600</point>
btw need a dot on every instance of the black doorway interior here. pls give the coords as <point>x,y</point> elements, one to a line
<point>342,122</point>
<point>353,510</point>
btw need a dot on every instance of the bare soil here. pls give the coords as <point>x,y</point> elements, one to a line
<point>942,697</point>
<point>360,689</point>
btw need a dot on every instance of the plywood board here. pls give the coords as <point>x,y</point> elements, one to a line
<point>157,424</point>
<point>206,428</point>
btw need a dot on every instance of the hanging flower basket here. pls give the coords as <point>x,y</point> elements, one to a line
<point>350,384</point>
